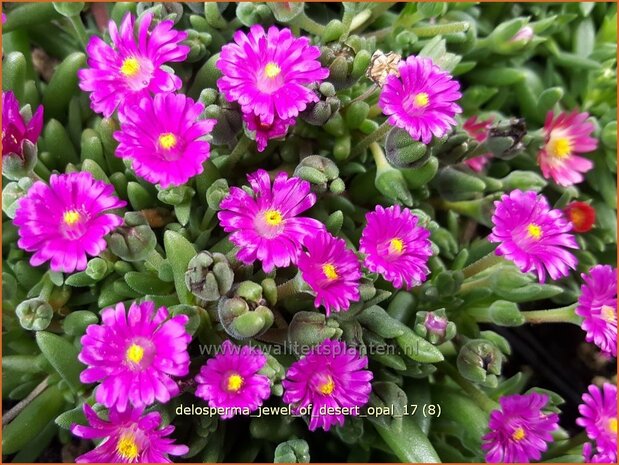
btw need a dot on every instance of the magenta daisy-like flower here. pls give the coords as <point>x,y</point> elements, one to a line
<point>164,138</point>
<point>263,132</point>
<point>231,381</point>
<point>478,130</point>
<point>127,437</point>
<point>330,376</point>
<point>597,305</point>
<point>532,235</point>
<point>265,225</point>
<point>266,72</point>
<point>567,135</point>
<point>135,354</point>
<point>396,246</point>
<point>14,129</point>
<point>67,220</point>
<point>599,416</point>
<point>520,429</point>
<point>421,100</point>
<point>331,270</point>
<point>131,68</point>
<point>596,456</point>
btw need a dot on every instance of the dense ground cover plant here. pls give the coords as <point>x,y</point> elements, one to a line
<point>287,231</point>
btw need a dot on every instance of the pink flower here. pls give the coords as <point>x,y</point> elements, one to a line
<point>266,72</point>
<point>66,221</point>
<point>597,305</point>
<point>520,429</point>
<point>134,355</point>
<point>14,129</point>
<point>599,416</point>
<point>127,437</point>
<point>567,135</point>
<point>331,270</point>
<point>164,138</point>
<point>331,375</point>
<point>478,130</point>
<point>532,235</point>
<point>591,456</point>
<point>396,246</point>
<point>264,224</point>
<point>122,74</point>
<point>263,132</point>
<point>231,381</point>
<point>421,100</point>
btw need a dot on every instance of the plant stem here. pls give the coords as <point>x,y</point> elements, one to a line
<point>567,445</point>
<point>485,402</point>
<point>360,18</point>
<point>80,31</point>
<point>482,264</point>
<point>477,283</point>
<point>436,29</point>
<point>378,134</point>
<point>305,22</point>
<point>556,315</point>
<point>8,416</point>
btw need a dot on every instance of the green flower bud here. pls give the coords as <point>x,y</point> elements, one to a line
<point>344,66</point>
<point>319,171</point>
<point>197,43</point>
<point>292,451</point>
<point>208,97</point>
<point>216,193</point>
<point>505,139</point>
<point>17,166</point>
<point>480,361</point>
<point>434,326</point>
<point>504,39</point>
<point>34,314</point>
<point>250,13</point>
<point>273,370</point>
<point>504,313</point>
<point>98,268</point>
<point>176,195</point>
<point>498,340</point>
<point>308,329</point>
<point>209,276</point>
<point>134,240</point>
<point>12,192</point>
<point>239,321</point>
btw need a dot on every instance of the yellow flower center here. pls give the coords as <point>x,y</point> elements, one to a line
<point>71,217</point>
<point>609,314</point>
<point>518,434</point>
<point>535,231</point>
<point>167,140</point>
<point>130,67</point>
<point>612,425</point>
<point>273,217</point>
<point>135,353</point>
<point>327,387</point>
<point>560,147</point>
<point>396,245</point>
<point>329,271</point>
<point>271,70</point>
<point>421,99</point>
<point>127,447</point>
<point>235,382</point>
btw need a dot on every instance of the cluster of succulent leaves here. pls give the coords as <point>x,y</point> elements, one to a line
<point>171,250</point>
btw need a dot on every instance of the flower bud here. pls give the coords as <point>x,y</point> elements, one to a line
<point>504,313</point>
<point>34,314</point>
<point>505,139</point>
<point>340,59</point>
<point>16,166</point>
<point>250,291</point>
<point>480,361</point>
<point>208,97</point>
<point>404,152</point>
<point>216,193</point>
<point>318,113</point>
<point>319,171</point>
<point>273,370</point>
<point>434,326</point>
<point>98,268</point>
<point>134,240</point>
<point>292,451</point>
<point>11,194</point>
<point>310,328</point>
<point>197,43</point>
<point>209,276</point>
<point>239,321</point>
<point>176,195</point>
<point>250,13</point>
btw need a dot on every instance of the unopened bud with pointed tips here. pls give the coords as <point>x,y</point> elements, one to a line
<point>34,314</point>
<point>209,276</point>
<point>434,326</point>
<point>134,240</point>
<point>480,361</point>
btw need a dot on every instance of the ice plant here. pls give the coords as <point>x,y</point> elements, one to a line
<point>599,416</point>
<point>532,235</point>
<point>132,67</point>
<point>520,429</point>
<point>264,224</point>
<point>422,100</point>
<point>127,437</point>
<point>231,380</point>
<point>582,216</point>
<point>331,270</point>
<point>135,354</point>
<point>330,375</point>
<point>67,220</point>
<point>597,305</point>
<point>396,246</point>
<point>164,138</point>
<point>478,130</point>
<point>263,132</point>
<point>566,136</point>
<point>266,72</point>
<point>14,129</point>
<point>596,456</point>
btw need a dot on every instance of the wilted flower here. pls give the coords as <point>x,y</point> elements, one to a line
<point>599,416</point>
<point>330,375</point>
<point>382,65</point>
<point>66,221</point>
<point>164,138</point>
<point>230,380</point>
<point>134,354</point>
<point>566,136</point>
<point>121,74</point>
<point>265,225</point>
<point>478,130</point>
<point>14,129</point>
<point>597,305</point>
<point>582,216</point>
<point>520,429</point>
<point>532,235</point>
<point>263,132</point>
<point>127,437</point>
<point>396,246</point>
<point>421,100</point>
